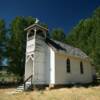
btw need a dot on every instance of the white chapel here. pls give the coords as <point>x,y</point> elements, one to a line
<point>50,62</point>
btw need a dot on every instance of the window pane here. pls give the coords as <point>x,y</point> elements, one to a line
<point>68,66</point>
<point>81,68</point>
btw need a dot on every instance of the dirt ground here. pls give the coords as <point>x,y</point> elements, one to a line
<point>74,93</point>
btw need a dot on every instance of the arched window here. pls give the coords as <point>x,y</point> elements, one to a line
<point>68,65</point>
<point>40,33</point>
<point>81,68</point>
<point>31,35</point>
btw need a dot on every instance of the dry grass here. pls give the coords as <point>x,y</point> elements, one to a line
<point>91,93</point>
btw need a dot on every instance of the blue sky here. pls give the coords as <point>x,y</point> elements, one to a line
<point>56,13</point>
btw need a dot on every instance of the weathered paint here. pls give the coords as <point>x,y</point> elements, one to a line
<point>63,77</point>
<point>41,62</point>
<point>28,68</point>
<point>30,46</point>
<point>49,67</point>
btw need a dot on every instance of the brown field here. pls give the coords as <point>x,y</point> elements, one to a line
<point>74,93</point>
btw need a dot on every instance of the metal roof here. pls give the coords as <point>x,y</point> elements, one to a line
<point>65,48</point>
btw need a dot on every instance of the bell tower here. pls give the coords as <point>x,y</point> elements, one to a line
<point>36,34</point>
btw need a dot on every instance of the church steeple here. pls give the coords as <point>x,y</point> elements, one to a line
<point>36,29</point>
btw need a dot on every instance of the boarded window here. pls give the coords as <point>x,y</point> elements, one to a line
<point>81,68</point>
<point>68,65</point>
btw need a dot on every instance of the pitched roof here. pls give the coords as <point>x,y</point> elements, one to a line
<point>35,25</point>
<point>65,48</point>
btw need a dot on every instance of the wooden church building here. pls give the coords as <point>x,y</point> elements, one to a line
<point>50,62</point>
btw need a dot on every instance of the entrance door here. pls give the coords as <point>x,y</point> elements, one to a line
<point>29,68</point>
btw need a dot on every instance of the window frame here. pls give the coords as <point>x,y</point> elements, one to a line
<point>68,66</point>
<point>81,68</point>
